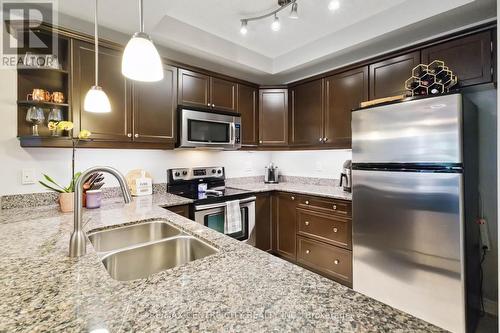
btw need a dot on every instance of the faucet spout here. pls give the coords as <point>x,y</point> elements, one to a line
<point>78,241</point>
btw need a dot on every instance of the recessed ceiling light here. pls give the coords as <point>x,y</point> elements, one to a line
<point>244,28</point>
<point>334,5</point>
<point>276,25</point>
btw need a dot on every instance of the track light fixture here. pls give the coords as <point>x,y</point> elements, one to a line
<point>275,25</point>
<point>293,13</point>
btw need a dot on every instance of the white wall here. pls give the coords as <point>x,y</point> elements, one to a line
<point>311,163</point>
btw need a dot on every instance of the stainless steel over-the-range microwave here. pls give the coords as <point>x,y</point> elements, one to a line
<point>208,129</point>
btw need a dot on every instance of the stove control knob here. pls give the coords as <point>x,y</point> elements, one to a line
<point>184,173</point>
<point>214,171</point>
<point>177,173</point>
<point>219,171</point>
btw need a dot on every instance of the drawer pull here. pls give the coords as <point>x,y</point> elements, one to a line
<point>334,207</point>
<point>307,251</point>
<point>336,261</point>
<point>307,202</point>
<point>306,223</point>
<point>293,198</point>
<point>335,230</point>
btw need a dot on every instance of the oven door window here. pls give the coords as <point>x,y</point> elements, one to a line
<point>208,131</point>
<point>215,221</point>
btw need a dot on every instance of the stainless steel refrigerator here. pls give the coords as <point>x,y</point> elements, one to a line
<point>415,204</point>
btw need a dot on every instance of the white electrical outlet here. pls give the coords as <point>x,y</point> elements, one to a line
<point>28,176</point>
<point>485,237</point>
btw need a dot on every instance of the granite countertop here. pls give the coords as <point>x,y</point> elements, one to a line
<point>238,289</point>
<point>328,191</point>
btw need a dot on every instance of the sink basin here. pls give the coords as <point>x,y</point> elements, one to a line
<point>142,261</point>
<point>122,237</point>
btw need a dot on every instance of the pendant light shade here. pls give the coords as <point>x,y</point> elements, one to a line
<point>96,99</point>
<point>141,61</point>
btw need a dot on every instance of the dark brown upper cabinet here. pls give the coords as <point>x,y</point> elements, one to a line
<point>115,125</point>
<point>154,108</point>
<point>387,77</point>
<point>223,94</point>
<point>470,58</point>
<point>248,108</point>
<point>343,92</point>
<point>273,117</point>
<point>306,126</point>
<point>194,89</point>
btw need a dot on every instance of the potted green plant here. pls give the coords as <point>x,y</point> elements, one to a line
<point>66,197</point>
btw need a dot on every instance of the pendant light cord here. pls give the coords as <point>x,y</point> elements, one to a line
<point>96,46</point>
<point>141,16</point>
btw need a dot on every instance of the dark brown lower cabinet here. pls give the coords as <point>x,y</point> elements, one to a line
<point>182,210</point>
<point>314,232</point>
<point>285,218</point>
<point>263,222</point>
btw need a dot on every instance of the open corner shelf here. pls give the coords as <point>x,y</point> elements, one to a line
<point>29,102</point>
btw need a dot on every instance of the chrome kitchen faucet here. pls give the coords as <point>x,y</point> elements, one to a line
<point>78,242</point>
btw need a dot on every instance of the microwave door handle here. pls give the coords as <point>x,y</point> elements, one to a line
<point>233,133</point>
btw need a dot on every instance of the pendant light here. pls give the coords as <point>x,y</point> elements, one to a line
<point>141,61</point>
<point>96,99</point>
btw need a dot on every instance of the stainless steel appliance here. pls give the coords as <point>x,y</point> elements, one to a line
<point>415,240</point>
<point>206,187</point>
<point>271,175</point>
<point>346,176</point>
<point>209,129</point>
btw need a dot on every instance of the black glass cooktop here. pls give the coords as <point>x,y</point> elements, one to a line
<point>214,195</point>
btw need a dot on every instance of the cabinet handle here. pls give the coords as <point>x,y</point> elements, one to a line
<point>260,141</point>
<point>307,223</point>
<point>213,105</point>
<point>325,139</point>
<point>136,135</point>
<point>293,198</point>
<point>320,139</point>
<point>129,135</point>
<point>307,251</point>
<point>307,202</point>
<point>208,104</point>
<point>335,230</point>
<point>334,207</point>
<point>336,261</point>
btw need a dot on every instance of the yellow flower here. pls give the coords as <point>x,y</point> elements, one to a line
<point>65,125</point>
<point>84,134</point>
<point>52,125</point>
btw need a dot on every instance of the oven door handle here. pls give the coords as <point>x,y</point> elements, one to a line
<point>222,204</point>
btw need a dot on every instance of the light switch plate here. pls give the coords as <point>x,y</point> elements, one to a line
<point>28,176</point>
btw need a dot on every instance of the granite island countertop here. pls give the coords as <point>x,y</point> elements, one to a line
<point>238,289</point>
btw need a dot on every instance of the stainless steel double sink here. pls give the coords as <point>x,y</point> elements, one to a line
<point>139,250</point>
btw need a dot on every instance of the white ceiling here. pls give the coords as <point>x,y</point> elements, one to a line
<point>209,29</point>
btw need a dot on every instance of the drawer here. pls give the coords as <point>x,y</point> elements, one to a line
<point>324,227</point>
<point>327,259</point>
<point>330,206</point>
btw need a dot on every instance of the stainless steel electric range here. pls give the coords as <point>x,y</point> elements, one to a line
<point>206,186</point>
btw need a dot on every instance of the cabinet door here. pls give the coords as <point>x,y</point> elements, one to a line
<point>343,92</point>
<point>470,58</point>
<point>115,125</point>
<point>273,117</point>
<point>247,107</point>
<point>307,113</point>
<point>223,94</point>
<point>285,225</point>
<point>387,78</point>
<point>263,222</point>
<point>155,106</point>
<point>194,88</point>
